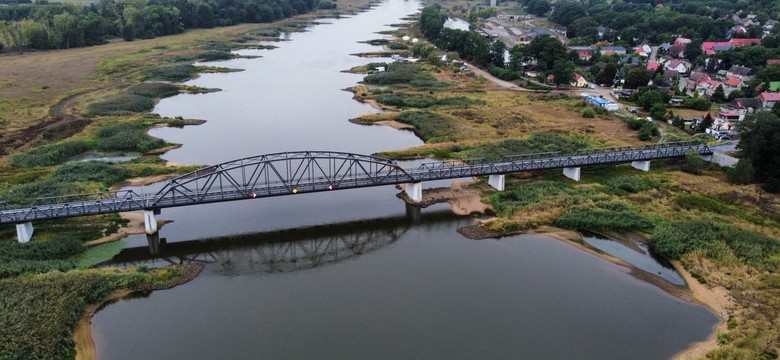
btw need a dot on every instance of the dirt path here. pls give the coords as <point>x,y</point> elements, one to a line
<point>497,81</point>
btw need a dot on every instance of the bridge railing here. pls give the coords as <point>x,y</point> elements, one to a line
<point>438,165</point>
<point>532,156</point>
<point>594,151</point>
<point>126,194</point>
<point>670,145</point>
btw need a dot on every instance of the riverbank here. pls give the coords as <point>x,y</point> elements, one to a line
<point>85,343</point>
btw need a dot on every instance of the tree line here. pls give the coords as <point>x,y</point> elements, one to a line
<point>61,26</point>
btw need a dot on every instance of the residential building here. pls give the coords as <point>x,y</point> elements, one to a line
<point>768,99</point>
<point>609,50</point>
<point>739,72</point>
<point>745,42</point>
<point>579,81</point>
<point>583,52</point>
<point>712,47</point>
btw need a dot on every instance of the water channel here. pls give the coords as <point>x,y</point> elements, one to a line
<point>355,274</point>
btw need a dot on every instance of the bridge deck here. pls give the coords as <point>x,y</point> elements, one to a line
<point>303,172</point>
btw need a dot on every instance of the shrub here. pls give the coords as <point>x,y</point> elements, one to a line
<point>213,55</point>
<point>49,155</point>
<point>632,184</point>
<point>535,143</point>
<point>398,73</point>
<point>588,114</point>
<point>428,124</point>
<point>647,131</point>
<point>397,46</point>
<point>126,137</point>
<point>600,110</point>
<point>24,194</point>
<point>717,240</point>
<point>172,72</point>
<point>98,171</point>
<point>121,103</point>
<point>154,90</point>
<point>613,215</point>
<point>694,164</point>
<point>504,74</point>
<point>405,100</point>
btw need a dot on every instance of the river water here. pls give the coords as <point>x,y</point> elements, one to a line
<point>356,274</point>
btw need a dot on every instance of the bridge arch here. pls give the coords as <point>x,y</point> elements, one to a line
<point>279,174</point>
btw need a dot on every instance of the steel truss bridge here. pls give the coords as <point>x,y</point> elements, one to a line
<point>291,173</point>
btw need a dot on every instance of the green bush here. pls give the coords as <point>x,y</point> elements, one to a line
<point>49,155</point>
<point>179,72</point>
<point>121,103</point>
<point>38,313</point>
<point>648,130</point>
<point>632,184</point>
<point>588,114</point>
<point>126,137</point>
<point>25,194</point>
<point>97,171</point>
<point>399,73</point>
<point>539,192</point>
<point>397,46</point>
<point>154,90</point>
<point>635,123</point>
<point>405,100</point>
<point>213,55</point>
<point>503,73</point>
<point>600,110</point>
<point>614,215</point>
<point>429,125</point>
<point>694,164</point>
<point>535,143</point>
<point>719,241</point>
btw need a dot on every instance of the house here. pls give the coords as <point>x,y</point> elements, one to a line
<point>671,76</point>
<point>772,62</point>
<point>768,99</point>
<point>601,30</point>
<point>676,50</point>
<point>630,60</point>
<point>739,72</point>
<point>664,47</point>
<point>742,106</point>
<point>583,52</point>
<point>707,87</point>
<point>734,83</point>
<point>745,42</point>
<point>643,50</point>
<point>609,50</point>
<point>653,66</point>
<point>682,41</point>
<point>529,35</point>
<point>712,47</point>
<point>579,81</point>
<point>678,65</point>
<point>690,83</point>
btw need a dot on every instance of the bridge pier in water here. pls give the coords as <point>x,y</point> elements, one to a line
<point>497,181</point>
<point>572,173</point>
<point>414,191</point>
<point>24,232</point>
<point>150,222</point>
<point>641,165</point>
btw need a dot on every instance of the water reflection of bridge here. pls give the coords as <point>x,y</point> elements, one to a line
<point>283,250</point>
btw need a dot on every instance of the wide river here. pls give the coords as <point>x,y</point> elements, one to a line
<point>356,274</point>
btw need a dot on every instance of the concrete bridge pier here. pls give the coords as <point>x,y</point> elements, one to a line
<point>414,191</point>
<point>641,165</point>
<point>24,232</point>
<point>572,173</point>
<point>413,213</point>
<point>154,243</point>
<point>497,181</point>
<point>150,222</point>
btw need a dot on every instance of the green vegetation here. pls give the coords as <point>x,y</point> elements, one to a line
<point>179,72</point>
<point>399,73</point>
<point>430,126</point>
<point>97,171</point>
<point>126,137</point>
<point>606,215</point>
<point>535,143</point>
<point>588,114</point>
<point>424,101</point>
<point>121,104</point>
<point>52,154</point>
<point>154,90</point>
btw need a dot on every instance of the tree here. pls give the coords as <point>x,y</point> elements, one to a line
<point>607,76</point>
<point>13,35</point>
<point>736,94</point>
<point>658,111</point>
<point>705,124</point>
<point>567,12</point>
<point>497,50</point>
<point>693,50</point>
<point>719,95</point>
<point>637,78</point>
<point>649,98</point>
<point>538,7</point>
<point>760,142</point>
<point>563,71</point>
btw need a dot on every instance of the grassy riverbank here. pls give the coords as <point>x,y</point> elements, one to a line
<point>84,103</point>
<point>725,235</point>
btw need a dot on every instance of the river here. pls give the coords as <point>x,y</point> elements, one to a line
<point>356,274</point>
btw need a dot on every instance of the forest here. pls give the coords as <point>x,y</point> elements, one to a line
<point>46,25</point>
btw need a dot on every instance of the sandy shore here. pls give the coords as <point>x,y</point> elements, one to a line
<point>717,299</point>
<point>463,200</point>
